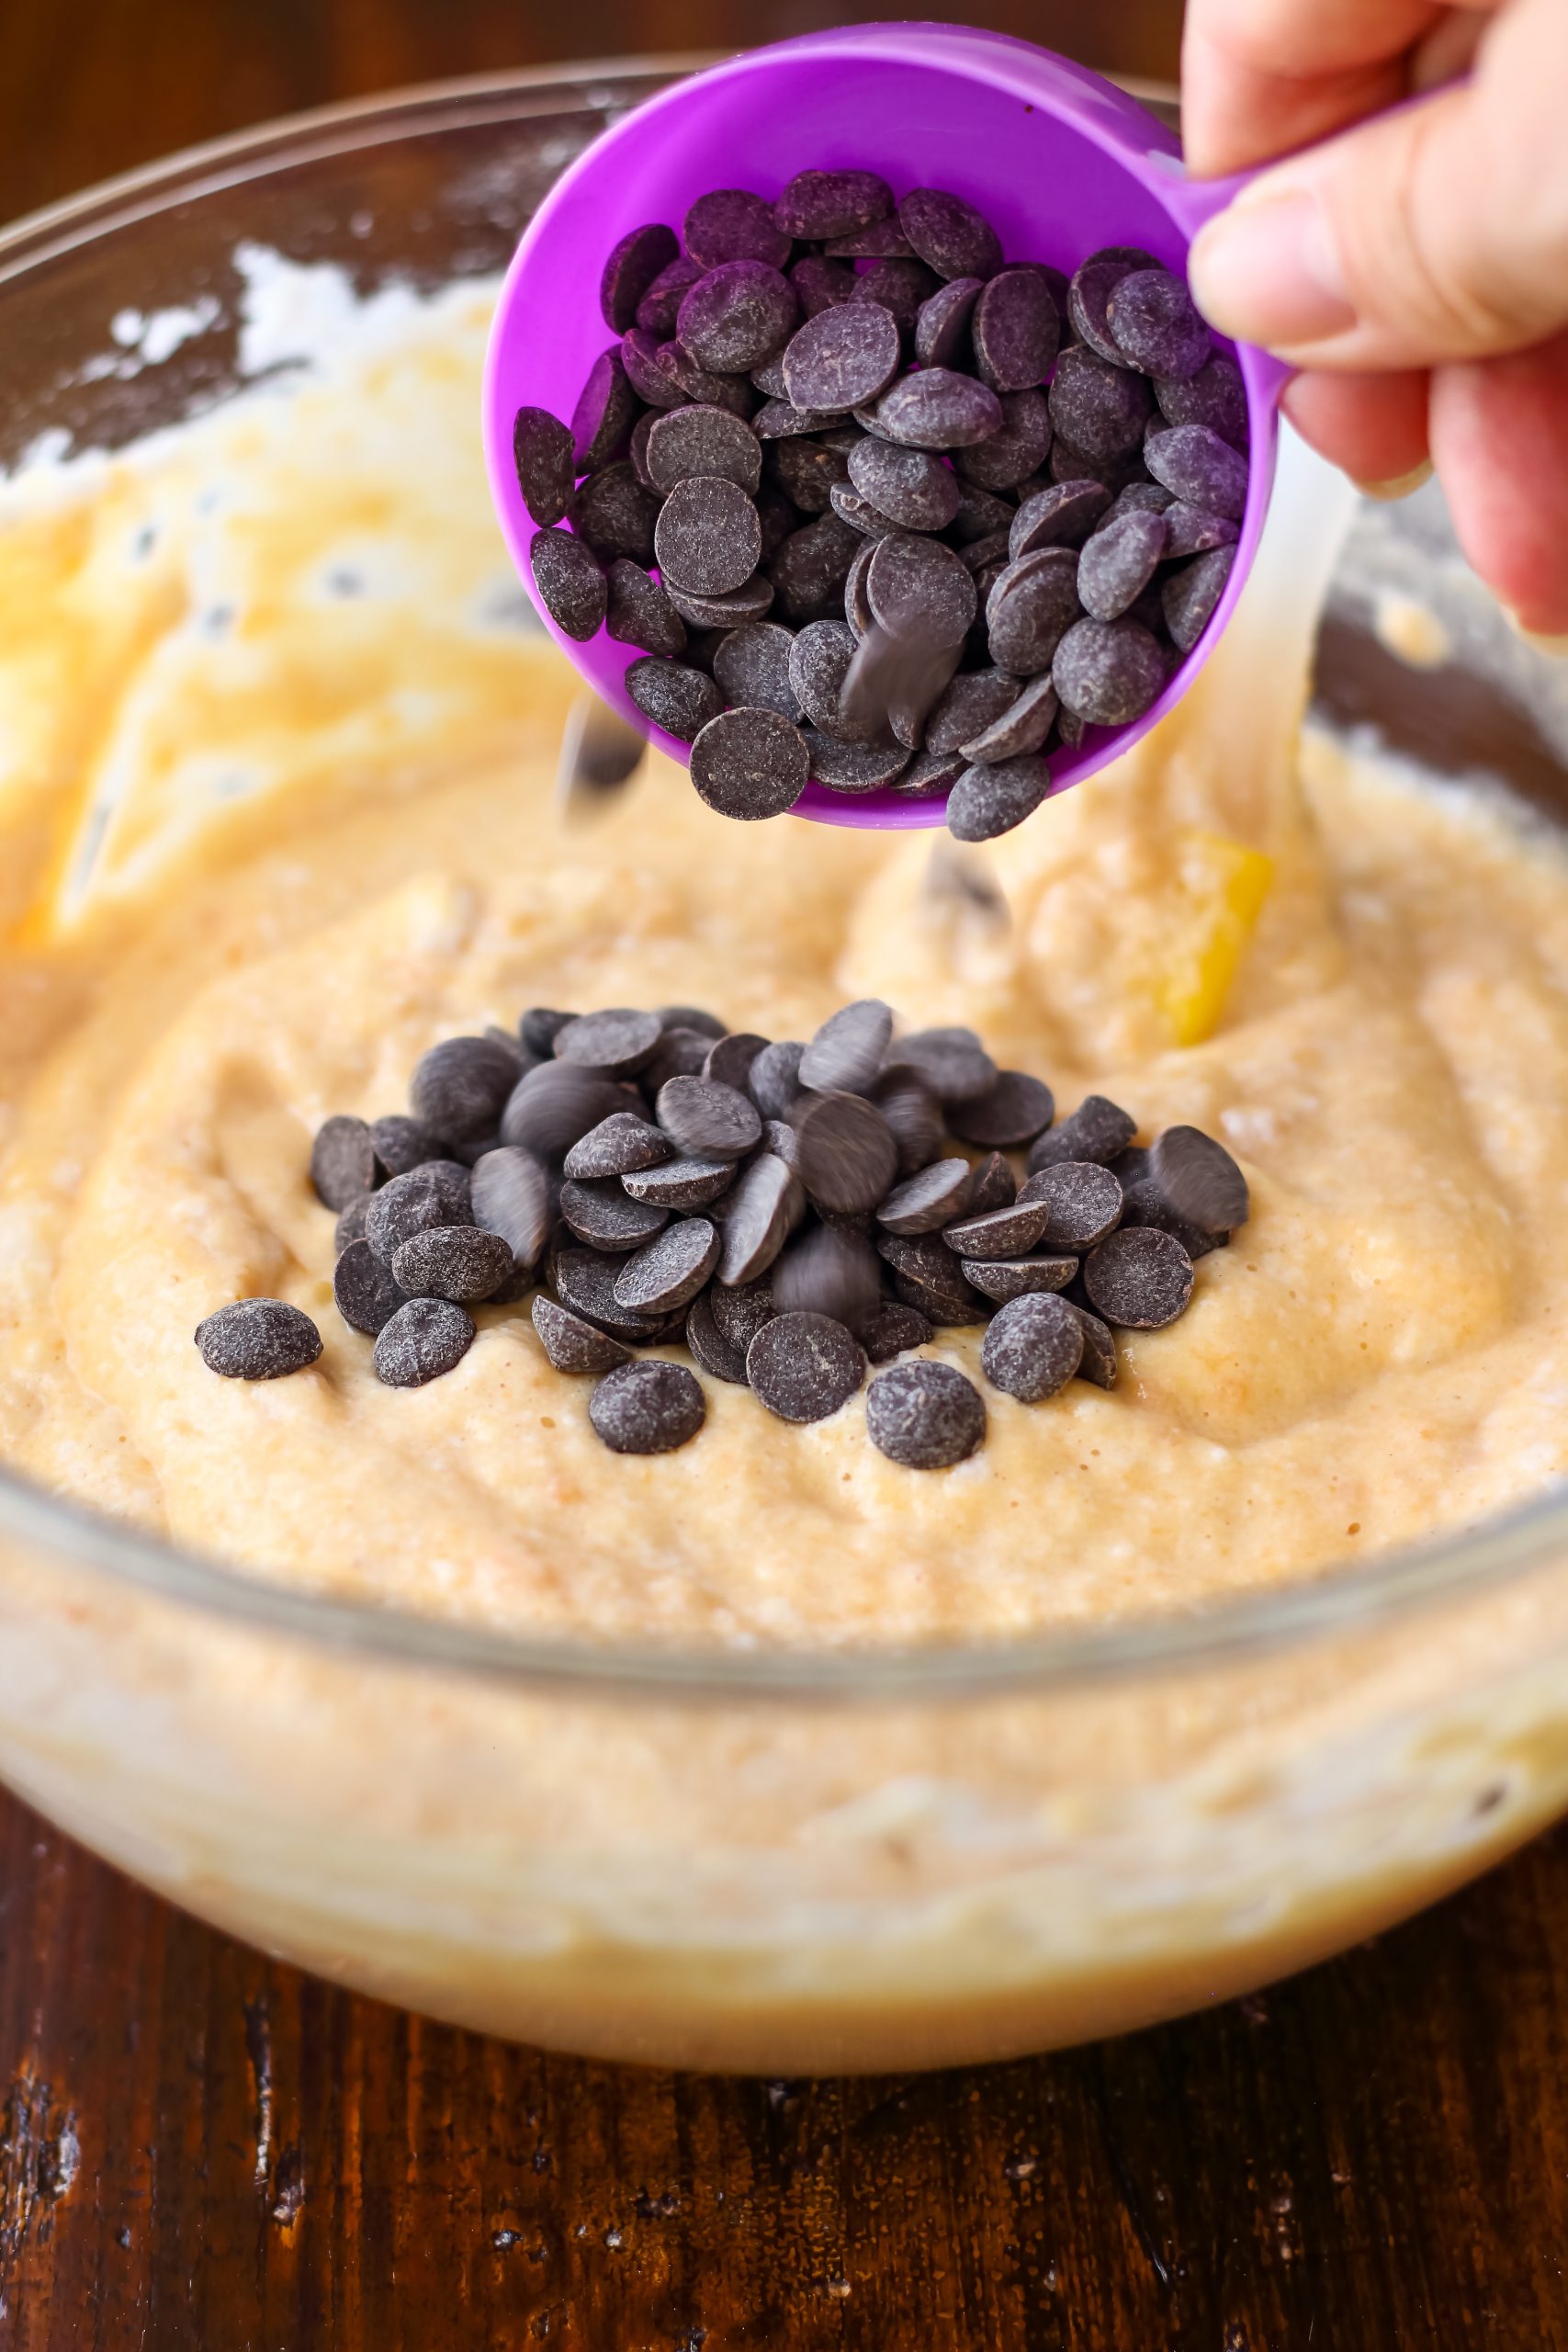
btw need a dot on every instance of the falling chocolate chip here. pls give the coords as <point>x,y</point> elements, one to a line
<point>847,1051</point>
<point>1082,1201</point>
<point>511,1195</point>
<point>646,1408</point>
<point>1140,1278</point>
<point>804,1367</point>
<point>456,1261</point>
<point>258,1338</point>
<point>571,1343</point>
<point>549,1109</point>
<point>759,1214</point>
<point>1200,1179</point>
<point>1010,1115</point>
<point>828,1272</point>
<point>952,1062</point>
<point>422,1341</point>
<point>925,1416</point>
<point>912,1112</point>
<point>1034,1347</point>
<point>848,1157</point>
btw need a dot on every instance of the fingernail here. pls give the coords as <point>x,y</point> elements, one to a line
<point>1266,270</point>
<point>1399,485</point>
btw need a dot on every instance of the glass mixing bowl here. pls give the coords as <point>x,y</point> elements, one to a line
<point>834,1863</point>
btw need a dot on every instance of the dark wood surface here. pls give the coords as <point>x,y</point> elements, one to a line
<point>201,2149</point>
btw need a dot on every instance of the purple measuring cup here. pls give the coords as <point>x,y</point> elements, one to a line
<point>1056,158</point>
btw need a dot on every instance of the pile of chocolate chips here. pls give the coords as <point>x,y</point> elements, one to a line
<point>879,510</point>
<point>791,1212</point>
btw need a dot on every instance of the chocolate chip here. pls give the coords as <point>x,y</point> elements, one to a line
<point>1006,1232</point>
<point>708,537</point>
<point>760,1214</point>
<point>924,1258</point>
<point>1215,396</point>
<point>942,325</point>
<point>918,589</point>
<point>952,1062</point>
<point>854,767</point>
<point>679,699</point>
<point>774,1079</point>
<point>935,409</point>
<point>848,1157</point>
<point>731,224</point>
<point>1034,1347</point>
<point>925,1416</point>
<point>1154,324</point>
<point>878,241</point>
<point>401,1144</point>
<point>1107,672</point>
<point>682,1183</point>
<point>1092,285</point>
<point>1062,516</point>
<point>809,569</point>
<point>538,1026</point>
<point>1100,409</point>
<point>342,1161</point>
<point>1200,1179</point>
<point>605,412</point>
<point>701,439</point>
<point>926,1202</point>
<point>460,1087</point>
<point>736,316</point>
<point>601,1214</point>
<point>456,1261</point>
<point>541,451</point>
<point>1199,468</point>
<point>1191,596</point>
<point>749,764</point>
<point>1139,497</point>
<point>635,262</point>
<point>258,1338</point>
<point>1024,727</point>
<point>994,1185</point>
<point>937,1308</point>
<point>585,1283</point>
<point>803,1367</point>
<point>571,1343</point>
<point>613,1044</point>
<point>847,1051</point>
<point>614,514</point>
<point>968,705</point>
<point>1031,609</point>
<point>1005,1278</point>
<point>1016,330</point>
<point>818,205</point>
<point>1009,1115</point>
<point>1098,1362</point>
<point>552,1106</point>
<point>438,1194</point>
<point>989,801</point>
<point>949,235</point>
<point>857,607</point>
<point>721,613</point>
<point>730,1059</point>
<point>1139,1278</point>
<point>668,1271</point>
<point>421,1341</point>
<point>818,282</point>
<point>679,1053</point>
<point>780,1138</point>
<point>350,1225</point>
<point>571,584</point>
<point>714,387</point>
<point>365,1291</point>
<point>707,1120</point>
<point>818,663</point>
<point>1082,1200</point>
<point>646,1408</point>
<point>913,1114</point>
<point>1118,563</point>
<point>1190,531</point>
<point>831,1272</point>
<point>650,382</point>
<point>809,473</point>
<point>511,1195</point>
<point>843,357</point>
<point>618,1146</point>
<point>910,488</point>
<point>1097,1130</point>
<point>1143,1202</point>
<point>782,421</point>
<point>900,285</point>
<point>1020,445</point>
<point>739,1311</point>
<point>640,612</point>
<point>660,305</point>
<point>751,669</point>
<point>893,1330</point>
<point>707,1343</point>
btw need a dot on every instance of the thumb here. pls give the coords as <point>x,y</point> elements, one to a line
<point>1435,232</point>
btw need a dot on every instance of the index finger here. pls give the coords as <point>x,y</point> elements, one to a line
<point>1261,77</point>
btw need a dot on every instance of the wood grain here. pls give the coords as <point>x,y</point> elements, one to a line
<point>201,2149</point>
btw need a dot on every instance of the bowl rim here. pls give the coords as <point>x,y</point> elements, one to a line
<point>1332,1602</point>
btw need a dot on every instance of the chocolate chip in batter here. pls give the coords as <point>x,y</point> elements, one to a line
<point>1005,1278</point>
<point>1096,1130</point>
<point>1009,1115</point>
<point>712,1349</point>
<point>550,1108</point>
<point>456,1261</point>
<point>1200,1179</point>
<point>705,1119</point>
<point>366,1294</point>
<point>758,1213</point>
<point>425,1340</point>
<point>1143,1202</point>
<point>618,1146</point>
<point>571,1343</point>
<point>1007,1232</point>
<point>602,1212</point>
<point>1082,1201</point>
<point>804,1367</point>
<point>350,1225</point>
<point>460,1087</point>
<point>1140,1278</point>
<point>1098,1362</point>
<point>912,1112</point>
<point>730,1059</point>
<point>402,1143</point>
<point>342,1161</point>
<point>992,1186</point>
<point>925,1202</point>
<point>953,1062</point>
<point>893,1330</point>
<point>774,1079</point>
<point>648,1408</point>
<point>438,1194</point>
<point>584,1281</point>
<point>1034,1347</point>
<point>668,1271</point>
<point>616,1043</point>
<point>925,1416</point>
<point>258,1338</point>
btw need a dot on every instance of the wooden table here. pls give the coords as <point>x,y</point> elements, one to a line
<point>200,2150</point>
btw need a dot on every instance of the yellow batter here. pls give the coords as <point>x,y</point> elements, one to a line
<point>276,815</point>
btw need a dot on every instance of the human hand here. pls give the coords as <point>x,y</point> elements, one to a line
<point>1415,268</point>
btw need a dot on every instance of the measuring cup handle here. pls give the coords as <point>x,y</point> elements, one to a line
<point>1196,202</point>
